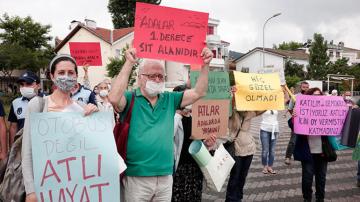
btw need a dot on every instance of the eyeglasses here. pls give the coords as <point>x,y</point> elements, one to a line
<point>154,76</point>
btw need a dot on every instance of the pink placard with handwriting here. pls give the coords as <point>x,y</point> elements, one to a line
<point>319,115</point>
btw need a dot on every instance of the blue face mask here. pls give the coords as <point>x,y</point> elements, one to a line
<point>65,83</point>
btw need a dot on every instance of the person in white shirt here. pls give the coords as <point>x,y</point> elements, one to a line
<point>269,131</point>
<point>103,102</point>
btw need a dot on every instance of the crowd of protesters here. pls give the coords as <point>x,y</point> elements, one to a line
<point>159,167</point>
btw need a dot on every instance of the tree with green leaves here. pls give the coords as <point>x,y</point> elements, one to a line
<point>116,64</point>
<point>339,67</point>
<point>123,12</point>
<point>294,69</point>
<point>292,45</point>
<point>24,44</point>
<point>318,58</point>
<point>355,71</point>
<point>24,32</point>
<point>291,81</point>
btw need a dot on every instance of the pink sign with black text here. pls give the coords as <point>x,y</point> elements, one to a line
<point>319,115</point>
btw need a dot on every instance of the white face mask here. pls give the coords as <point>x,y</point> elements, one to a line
<point>347,97</point>
<point>27,92</point>
<point>153,89</point>
<point>103,93</point>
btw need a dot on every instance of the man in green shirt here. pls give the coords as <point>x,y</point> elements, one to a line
<point>150,156</point>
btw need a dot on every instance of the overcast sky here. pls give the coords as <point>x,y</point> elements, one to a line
<point>241,21</point>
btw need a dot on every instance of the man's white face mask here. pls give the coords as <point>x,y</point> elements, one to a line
<point>28,92</point>
<point>153,88</point>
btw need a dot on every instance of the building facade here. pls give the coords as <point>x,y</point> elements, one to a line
<point>339,51</point>
<point>270,60</point>
<point>111,43</point>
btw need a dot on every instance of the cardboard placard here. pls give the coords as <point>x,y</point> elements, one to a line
<point>319,115</point>
<point>218,84</point>
<point>169,33</point>
<point>86,53</point>
<point>257,92</point>
<point>209,117</point>
<point>74,157</point>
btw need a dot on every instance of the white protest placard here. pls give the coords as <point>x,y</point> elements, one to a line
<point>74,157</point>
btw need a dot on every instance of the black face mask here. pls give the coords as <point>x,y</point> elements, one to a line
<point>303,91</point>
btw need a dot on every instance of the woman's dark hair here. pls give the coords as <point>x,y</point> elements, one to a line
<point>311,91</point>
<point>60,58</point>
<point>180,88</point>
<point>95,87</point>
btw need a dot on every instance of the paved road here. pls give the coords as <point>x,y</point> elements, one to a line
<point>286,185</point>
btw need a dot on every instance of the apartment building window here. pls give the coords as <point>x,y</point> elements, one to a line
<point>337,54</point>
<point>210,30</point>
<point>245,69</point>
<point>331,54</point>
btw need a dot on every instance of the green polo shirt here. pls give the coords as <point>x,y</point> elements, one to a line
<point>151,135</point>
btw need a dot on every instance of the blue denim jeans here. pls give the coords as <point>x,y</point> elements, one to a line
<point>317,167</point>
<point>235,187</point>
<point>268,148</point>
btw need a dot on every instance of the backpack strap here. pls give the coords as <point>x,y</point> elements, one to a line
<point>41,103</point>
<point>129,112</point>
<point>242,122</point>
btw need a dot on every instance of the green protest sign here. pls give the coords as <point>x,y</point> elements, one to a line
<point>219,84</point>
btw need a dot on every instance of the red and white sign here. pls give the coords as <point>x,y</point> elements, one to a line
<point>169,33</point>
<point>86,53</point>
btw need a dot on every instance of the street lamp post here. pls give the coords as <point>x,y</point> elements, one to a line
<point>277,14</point>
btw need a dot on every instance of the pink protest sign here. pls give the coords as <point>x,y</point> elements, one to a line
<point>86,53</point>
<point>319,115</point>
<point>169,33</point>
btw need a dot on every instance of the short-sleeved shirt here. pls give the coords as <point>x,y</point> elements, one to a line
<point>292,103</point>
<point>84,95</point>
<point>2,111</point>
<point>18,111</point>
<point>150,141</point>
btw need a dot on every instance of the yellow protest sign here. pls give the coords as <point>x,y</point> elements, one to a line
<point>257,92</point>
